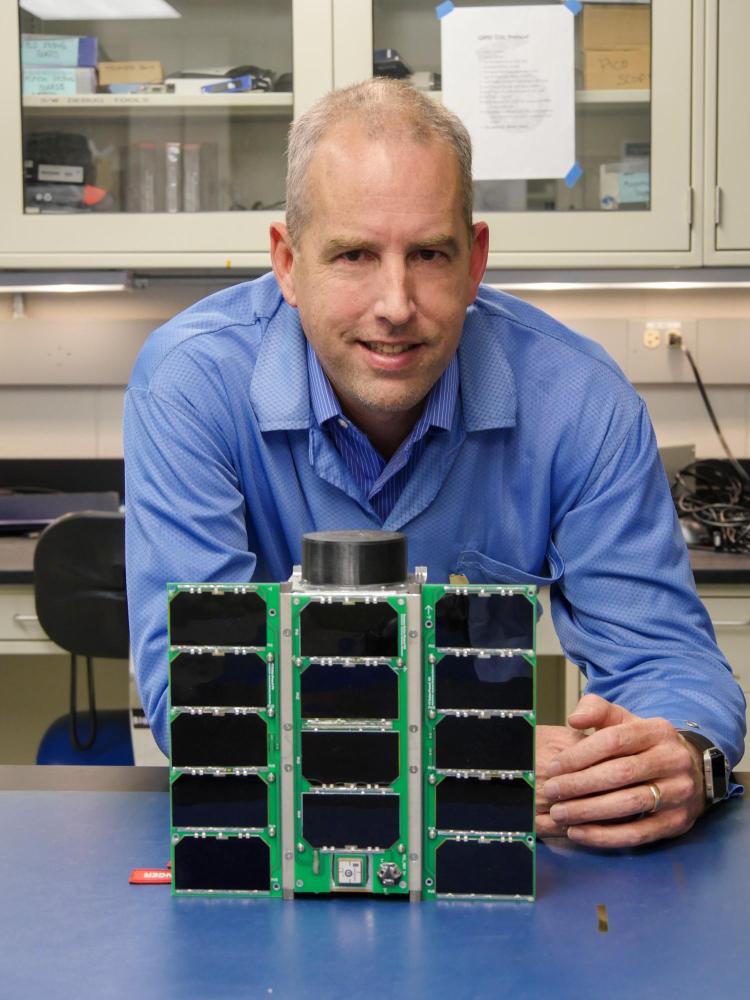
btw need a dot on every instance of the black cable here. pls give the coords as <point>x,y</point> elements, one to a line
<point>676,339</point>
<point>713,502</point>
<point>73,719</point>
<point>712,499</point>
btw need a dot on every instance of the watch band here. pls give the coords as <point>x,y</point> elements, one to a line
<point>715,766</point>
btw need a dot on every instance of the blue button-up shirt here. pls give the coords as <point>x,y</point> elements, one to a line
<point>381,481</point>
<point>548,474</point>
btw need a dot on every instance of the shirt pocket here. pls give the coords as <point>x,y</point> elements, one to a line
<point>480,568</point>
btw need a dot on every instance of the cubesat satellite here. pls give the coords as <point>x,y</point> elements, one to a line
<point>353,730</point>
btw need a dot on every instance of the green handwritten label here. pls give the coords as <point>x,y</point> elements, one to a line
<point>49,81</point>
<point>635,187</point>
<point>49,51</point>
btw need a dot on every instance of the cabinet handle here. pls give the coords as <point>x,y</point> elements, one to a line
<point>25,618</point>
<point>732,623</point>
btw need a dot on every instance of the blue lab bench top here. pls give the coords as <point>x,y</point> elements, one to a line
<point>71,926</point>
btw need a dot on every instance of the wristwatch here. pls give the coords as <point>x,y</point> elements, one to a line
<point>715,766</point>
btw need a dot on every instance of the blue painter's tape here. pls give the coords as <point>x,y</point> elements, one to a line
<point>574,6</point>
<point>444,8</point>
<point>574,175</point>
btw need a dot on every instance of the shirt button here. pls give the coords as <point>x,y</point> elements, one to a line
<point>343,423</point>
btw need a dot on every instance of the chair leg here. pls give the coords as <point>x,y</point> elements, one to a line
<point>73,720</point>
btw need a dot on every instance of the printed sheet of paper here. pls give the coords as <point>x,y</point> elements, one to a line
<point>508,73</point>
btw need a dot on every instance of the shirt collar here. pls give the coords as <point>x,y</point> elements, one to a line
<point>438,410</point>
<point>488,386</point>
<point>280,386</point>
<point>325,405</point>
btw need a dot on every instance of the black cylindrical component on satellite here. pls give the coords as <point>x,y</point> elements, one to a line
<point>354,558</point>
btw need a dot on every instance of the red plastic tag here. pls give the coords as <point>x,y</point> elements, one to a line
<point>150,876</point>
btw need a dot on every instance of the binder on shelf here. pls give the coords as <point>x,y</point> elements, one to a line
<point>172,176</point>
<point>235,85</point>
<point>191,177</point>
<point>140,177</point>
<point>199,177</point>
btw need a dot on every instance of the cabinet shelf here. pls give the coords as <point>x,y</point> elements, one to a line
<point>255,104</point>
<point>607,99</point>
<point>262,105</point>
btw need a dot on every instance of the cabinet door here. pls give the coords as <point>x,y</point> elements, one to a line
<point>728,132</point>
<point>632,202</point>
<point>729,608</point>
<point>153,135</point>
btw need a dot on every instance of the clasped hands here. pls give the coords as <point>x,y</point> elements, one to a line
<point>595,788</point>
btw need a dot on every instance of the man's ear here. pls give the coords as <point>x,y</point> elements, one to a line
<point>480,247</point>
<point>282,261</point>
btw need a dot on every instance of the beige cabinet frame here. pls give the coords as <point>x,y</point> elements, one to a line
<point>121,240</point>
<point>697,53</point>
<point>727,202</point>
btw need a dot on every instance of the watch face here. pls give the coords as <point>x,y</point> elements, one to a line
<point>715,765</point>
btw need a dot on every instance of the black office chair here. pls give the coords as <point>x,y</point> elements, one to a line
<point>79,584</point>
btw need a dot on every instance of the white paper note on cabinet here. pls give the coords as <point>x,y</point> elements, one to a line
<point>508,73</point>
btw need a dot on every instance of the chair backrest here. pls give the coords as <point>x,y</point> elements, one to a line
<point>79,583</point>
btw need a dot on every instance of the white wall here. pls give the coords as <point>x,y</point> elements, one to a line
<point>64,367</point>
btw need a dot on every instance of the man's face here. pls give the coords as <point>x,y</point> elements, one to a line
<point>384,269</point>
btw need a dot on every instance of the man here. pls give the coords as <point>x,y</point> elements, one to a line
<point>371,382</point>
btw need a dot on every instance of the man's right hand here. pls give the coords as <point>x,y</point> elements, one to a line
<point>550,741</point>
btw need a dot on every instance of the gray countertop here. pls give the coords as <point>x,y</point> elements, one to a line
<point>719,567</point>
<point>82,778</point>
<point>17,561</point>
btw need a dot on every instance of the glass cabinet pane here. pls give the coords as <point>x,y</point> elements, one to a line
<point>611,167</point>
<point>144,106</point>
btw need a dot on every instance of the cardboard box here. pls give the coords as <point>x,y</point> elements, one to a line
<point>617,69</point>
<point>134,71</point>
<point>615,26</point>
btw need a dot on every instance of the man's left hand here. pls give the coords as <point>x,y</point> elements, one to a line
<point>607,775</point>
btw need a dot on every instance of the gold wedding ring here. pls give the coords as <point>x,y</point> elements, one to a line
<point>656,792</point>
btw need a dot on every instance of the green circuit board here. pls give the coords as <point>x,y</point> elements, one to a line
<point>224,739</point>
<point>349,675</point>
<point>479,699</point>
<point>352,741</point>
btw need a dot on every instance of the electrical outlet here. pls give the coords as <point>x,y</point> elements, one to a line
<point>651,357</point>
<point>651,337</point>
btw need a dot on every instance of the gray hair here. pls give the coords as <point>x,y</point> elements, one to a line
<point>381,106</point>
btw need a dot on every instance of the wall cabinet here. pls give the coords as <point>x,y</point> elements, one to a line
<point>179,161</point>
<point>542,221</point>
<point>180,176</point>
<point>727,227</point>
